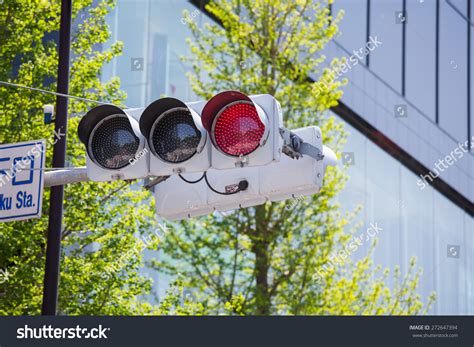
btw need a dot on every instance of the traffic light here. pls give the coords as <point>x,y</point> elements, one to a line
<point>177,140</point>
<point>243,130</point>
<point>222,154</point>
<point>114,145</point>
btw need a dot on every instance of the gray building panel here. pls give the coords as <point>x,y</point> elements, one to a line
<point>452,72</point>
<point>420,57</point>
<point>461,6</point>
<point>386,22</point>
<point>471,81</point>
<point>353,24</point>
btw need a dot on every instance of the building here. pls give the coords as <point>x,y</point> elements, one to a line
<point>408,106</point>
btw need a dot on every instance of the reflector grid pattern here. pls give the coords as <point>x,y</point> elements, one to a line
<point>114,143</point>
<point>238,130</point>
<point>175,137</point>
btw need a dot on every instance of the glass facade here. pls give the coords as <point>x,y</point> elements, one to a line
<point>416,222</point>
<point>408,62</point>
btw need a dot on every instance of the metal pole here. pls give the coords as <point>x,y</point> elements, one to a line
<point>53,249</point>
<point>66,176</point>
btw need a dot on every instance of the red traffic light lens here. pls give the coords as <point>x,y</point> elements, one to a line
<point>238,129</point>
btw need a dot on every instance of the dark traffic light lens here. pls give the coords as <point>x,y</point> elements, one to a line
<point>113,143</point>
<point>174,136</point>
<point>238,129</point>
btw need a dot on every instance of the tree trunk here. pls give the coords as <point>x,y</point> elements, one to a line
<point>262,262</point>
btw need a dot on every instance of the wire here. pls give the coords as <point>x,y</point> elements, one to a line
<point>54,93</point>
<point>243,185</point>
<point>43,168</point>
<point>191,182</point>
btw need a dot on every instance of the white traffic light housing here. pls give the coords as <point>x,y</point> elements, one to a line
<point>176,138</point>
<point>176,199</point>
<point>228,180</point>
<point>243,129</point>
<point>222,154</point>
<point>114,145</point>
<point>197,195</point>
<point>299,173</point>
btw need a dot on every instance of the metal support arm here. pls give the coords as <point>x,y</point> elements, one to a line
<point>295,147</point>
<point>65,176</point>
<point>79,174</point>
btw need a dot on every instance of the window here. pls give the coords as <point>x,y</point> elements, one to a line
<point>417,228</point>
<point>452,72</point>
<point>449,251</point>
<point>420,78</point>
<point>386,60</point>
<point>383,205</point>
<point>353,27</point>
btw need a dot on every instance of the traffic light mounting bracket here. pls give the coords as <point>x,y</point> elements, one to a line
<point>295,147</point>
<point>154,181</point>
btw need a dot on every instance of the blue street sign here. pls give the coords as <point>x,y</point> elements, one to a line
<point>21,180</point>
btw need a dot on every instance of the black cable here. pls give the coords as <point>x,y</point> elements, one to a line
<point>54,93</point>
<point>243,185</point>
<point>192,182</point>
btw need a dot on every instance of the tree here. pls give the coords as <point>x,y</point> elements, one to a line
<point>102,247</point>
<point>266,260</point>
